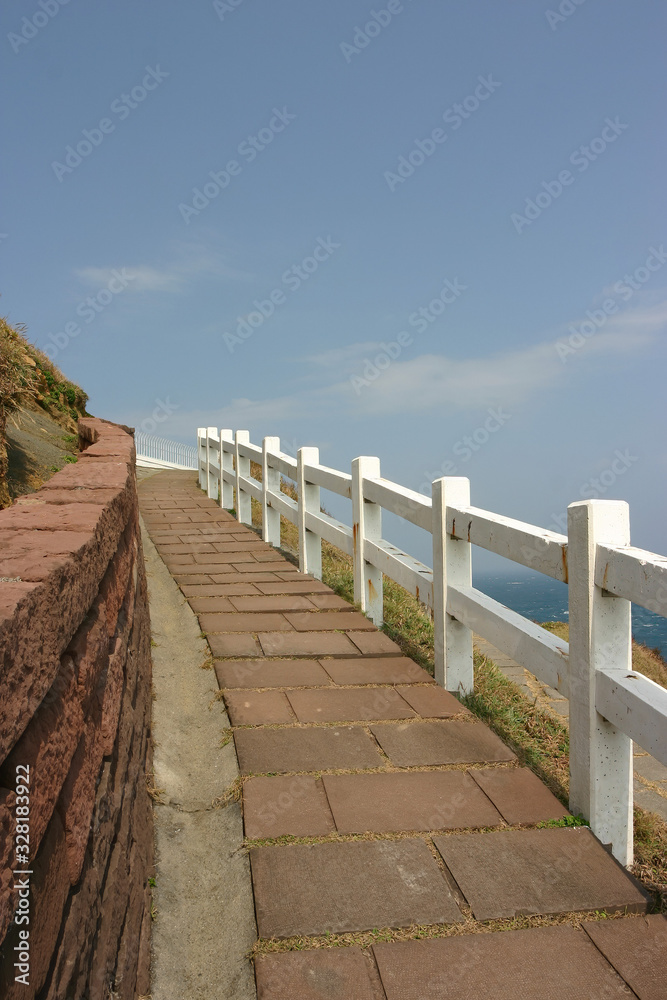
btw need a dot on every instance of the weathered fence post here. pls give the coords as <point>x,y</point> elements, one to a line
<point>600,635</point>
<point>243,505</point>
<point>226,465</point>
<point>201,457</point>
<point>452,566</point>
<point>310,544</point>
<point>366,524</point>
<point>212,445</point>
<point>270,483</point>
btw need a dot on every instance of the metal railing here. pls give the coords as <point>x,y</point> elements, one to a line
<point>610,704</point>
<point>159,453</point>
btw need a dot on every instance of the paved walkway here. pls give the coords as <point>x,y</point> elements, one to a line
<point>376,808</point>
<point>650,782</point>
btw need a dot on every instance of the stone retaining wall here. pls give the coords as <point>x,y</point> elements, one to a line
<point>75,708</point>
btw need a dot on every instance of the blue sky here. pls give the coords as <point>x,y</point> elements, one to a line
<point>530,147</point>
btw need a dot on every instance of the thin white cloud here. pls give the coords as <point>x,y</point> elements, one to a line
<point>192,262</point>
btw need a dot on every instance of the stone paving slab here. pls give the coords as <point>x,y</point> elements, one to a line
<point>448,742</point>
<point>269,673</point>
<point>278,807</point>
<point>258,708</point>
<point>210,604</point>
<point>542,963</point>
<point>284,602</point>
<point>210,589</point>
<point>260,622</point>
<point>264,751</point>
<point>234,644</point>
<point>433,702</point>
<point>376,670</point>
<point>327,974</point>
<point>349,705</point>
<point>306,644</point>
<point>637,948</point>
<point>375,644</point>
<point>555,870</point>
<point>419,801</point>
<point>386,883</point>
<point>295,586</point>
<point>518,794</point>
<point>329,621</point>
<point>328,601</point>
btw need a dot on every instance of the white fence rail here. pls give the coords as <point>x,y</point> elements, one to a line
<point>610,704</point>
<point>159,453</point>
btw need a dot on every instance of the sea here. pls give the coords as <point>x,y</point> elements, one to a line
<point>542,599</point>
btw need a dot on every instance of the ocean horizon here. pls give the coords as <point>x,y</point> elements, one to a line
<point>542,599</point>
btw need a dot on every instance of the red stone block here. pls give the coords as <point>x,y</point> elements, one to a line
<point>7,828</point>
<point>47,747</point>
<point>77,799</point>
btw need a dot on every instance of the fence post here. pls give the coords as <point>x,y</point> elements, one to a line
<point>270,483</point>
<point>452,565</point>
<point>366,524</point>
<point>600,635</point>
<point>226,496</point>
<point>310,544</point>
<point>211,442</point>
<point>201,444</point>
<point>243,505</point>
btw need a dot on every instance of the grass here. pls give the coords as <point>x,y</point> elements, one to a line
<point>540,740</point>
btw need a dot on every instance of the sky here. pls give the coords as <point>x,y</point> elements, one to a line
<point>426,231</point>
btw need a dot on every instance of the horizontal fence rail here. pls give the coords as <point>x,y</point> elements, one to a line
<point>610,704</point>
<point>159,453</point>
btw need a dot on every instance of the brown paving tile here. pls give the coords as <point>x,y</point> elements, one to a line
<point>542,963</point>
<point>250,577</point>
<point>289,572</point>
<point>263,603</point>
<point>447,742</point>
<point>376,670</point>
<point>194,580</point>
<point>285,569</point>
<point>325,974</point>
<point>518,794</point>
<point>252,544</point>
<point>207,568</point>
<point>211,604</point>
<point>234,559</point>
<point>243,623</point>
<point>305,644</point>
<point>279,807</point>
<point>233,644</point>
<point>262,751</point>
<point>312,889</point>
<point>328,621</point>
<point>179,548</point>
<point>420,800</point>
<point>201,589</point>
<point>257,708</point>
<point>294,586</point>
<point>375,644</point>
<point>555,870</point>
<point>268,555</point>
<point>329,602</point>
<point>348,705</point>
<point>223,590</point>
<point>637,948</point>
<point>269,673</point>
<point>433,702</point>
<point>175,562</point>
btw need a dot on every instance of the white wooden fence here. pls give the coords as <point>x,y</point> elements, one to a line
<point>159,453</point>
<point>610,704</point>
